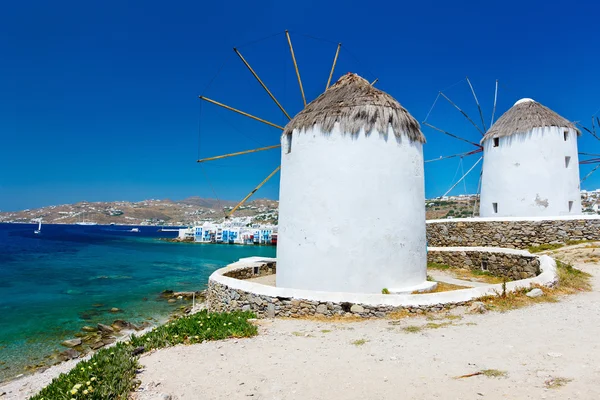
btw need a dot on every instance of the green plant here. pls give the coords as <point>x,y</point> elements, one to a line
<point>110,372</point>
<point>359,342</point>
<point>494,373</point>
<point>412,329</point>
<point>385,291</point>
<point>556,382</point>
<point>545,246</point>
<point>434,265</point>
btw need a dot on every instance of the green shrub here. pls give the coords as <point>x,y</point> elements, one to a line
<point>110,372</point>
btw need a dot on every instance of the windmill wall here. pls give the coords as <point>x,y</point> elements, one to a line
<point>351,215</point>
<point>531,174</point>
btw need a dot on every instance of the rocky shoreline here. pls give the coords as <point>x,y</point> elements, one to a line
<point>91,337</point>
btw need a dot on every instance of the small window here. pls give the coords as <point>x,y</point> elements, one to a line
<point>495,207</point>
<point>484,265</point>
<point>288,143</point>
<point>567,161</point>
<point>570,206</point>
<point>496,142</point>
<point>566,134</point>
<point>256,271</point>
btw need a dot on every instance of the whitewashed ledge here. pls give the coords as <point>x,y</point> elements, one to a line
<point>228,294</point>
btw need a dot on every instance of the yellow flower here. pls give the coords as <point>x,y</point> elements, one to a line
<point>85,392</point>
<point>73,391</point>
<point>83,369</point>
<point>88,383</point>
<point>93,378</point>
<point>77,386</point>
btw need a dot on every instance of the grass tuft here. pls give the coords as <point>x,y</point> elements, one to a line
<point>110,372</point>
<point>494,373</point>
<point>570,280</point>
<point>385,291</point>
<point>544,247</point>
<point>412,329</point>
<point>556,382</point>
<point>359,342</point>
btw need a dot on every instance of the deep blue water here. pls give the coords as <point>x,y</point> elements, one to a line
<point>72,275</point>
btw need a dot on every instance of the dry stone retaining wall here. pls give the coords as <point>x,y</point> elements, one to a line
<point>511,232</point>
<point>502,264</point>
<point>227,293</point>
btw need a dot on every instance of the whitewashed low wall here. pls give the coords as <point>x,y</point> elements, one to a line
<point>228,294</point>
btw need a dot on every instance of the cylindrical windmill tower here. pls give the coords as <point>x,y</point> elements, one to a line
<point>530,164</point>
<point>351,202</point>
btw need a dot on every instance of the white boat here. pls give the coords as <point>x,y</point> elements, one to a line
<point>38,231</point>
<point>84,222</point>
<point>134,230</point>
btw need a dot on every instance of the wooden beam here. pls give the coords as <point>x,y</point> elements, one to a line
<point>287,34</point>
<point>239,153</point>
<point>240,112</point>
<point>261,83</point>
<point>253,191</point>
<point>337,52</point>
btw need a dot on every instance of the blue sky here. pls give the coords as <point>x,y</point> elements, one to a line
<point>99,100</point>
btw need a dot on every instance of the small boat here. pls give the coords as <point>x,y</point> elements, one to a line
<point>38,231</point>
<point>84,222</point>
<point>134,230</point>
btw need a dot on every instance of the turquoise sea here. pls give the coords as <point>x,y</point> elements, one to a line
<point>72,275</point>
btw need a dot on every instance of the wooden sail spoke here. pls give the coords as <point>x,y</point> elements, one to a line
<point>287,34</point>
<point>262,83</point>
<point>478,106</point>
<point>253,191</point>
<point>239,153</point>
<point>452,135</point>
<point>337,52</point>
<point>463,113</point>
<point>240,112</point>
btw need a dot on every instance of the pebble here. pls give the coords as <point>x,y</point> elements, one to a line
<point>477,307</point>
<point>535,293</point>
<point>554,355</point>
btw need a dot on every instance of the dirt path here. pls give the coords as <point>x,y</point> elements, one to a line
<point>301,359</point>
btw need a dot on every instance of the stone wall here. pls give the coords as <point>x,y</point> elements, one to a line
<point>511,232</point>
<point>261,269</point>
<point>499,263</point>
<point>221,298</point>
<point>227,293</point>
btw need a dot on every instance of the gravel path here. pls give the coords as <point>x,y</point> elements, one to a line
<point>303,359</point>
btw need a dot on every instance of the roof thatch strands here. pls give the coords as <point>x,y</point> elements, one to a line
<point>525,115</point>
<point>355,104</point>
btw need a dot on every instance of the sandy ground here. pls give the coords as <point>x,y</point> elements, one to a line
<point>301,359</point>
<point>304,359</point>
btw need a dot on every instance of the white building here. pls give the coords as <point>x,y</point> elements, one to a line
<point>530,164</point>
<point>351,201</point>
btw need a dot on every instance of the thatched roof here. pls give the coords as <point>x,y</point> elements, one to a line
<point>355,104</point>
<point>525,115</point>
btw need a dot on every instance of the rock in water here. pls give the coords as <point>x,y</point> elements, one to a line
<point>89,329</point>
<point>71,343</point>
<point>115,310</point>
<point>68,355</point>
<point>105,328</point>
<point>535,293</point>
<point>477,307</point>
<point>97,345</point>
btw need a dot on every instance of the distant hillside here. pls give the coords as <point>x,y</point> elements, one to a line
<point>147,212</point>
<point>195,209</point>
